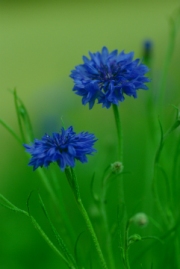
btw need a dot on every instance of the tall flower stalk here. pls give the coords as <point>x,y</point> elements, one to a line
<point>120,146</point>
<point>64,148</point>
<point>72,179</point>
<point>106,78</point>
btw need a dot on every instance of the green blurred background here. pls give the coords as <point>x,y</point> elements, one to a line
<point>40,43</point>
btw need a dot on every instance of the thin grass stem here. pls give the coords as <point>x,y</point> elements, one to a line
<point>108,243</point>
<point>12,207</point>
<point>71,177</point>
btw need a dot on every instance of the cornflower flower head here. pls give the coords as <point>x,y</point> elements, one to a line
<point>108,76</point>
<point>63,148</point>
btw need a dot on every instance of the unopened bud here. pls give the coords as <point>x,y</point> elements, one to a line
<point>147,50</point>
<point>134,238</point>
<point>140,219</point>
<point>117,167</point>
<point>148,44</point>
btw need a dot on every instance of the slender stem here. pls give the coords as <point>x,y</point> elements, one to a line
<point>46,238</point>
<point>11,206</point>
<point>120,148</point>
<point>75,188</point>
<point>126,257</point>
<point>40,171</point>
<point>59,239</point>
<point>108,243</point>
<point>154,185</point>
<point>119,132</point>
<point>166,235</point>
<point>120,182</point>
<point>92,232</point>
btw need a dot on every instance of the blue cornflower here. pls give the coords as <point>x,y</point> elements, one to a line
<point>108,76</point>
<point>63,148</point>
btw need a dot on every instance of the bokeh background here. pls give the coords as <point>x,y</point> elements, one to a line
<point>40,43</point>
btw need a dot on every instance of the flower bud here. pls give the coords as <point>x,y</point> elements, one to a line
<point>117,167</point>
<point>134,238</point>
<point>140,219</point>
<point>147,51</point>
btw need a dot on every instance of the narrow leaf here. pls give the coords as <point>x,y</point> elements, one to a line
<point>10,130</point>
<point>7,204</point>
<point>59,239</point>
<point>46,238</point>
<point>75,247</point>
<point>152,237</point>
<point>18,115</point>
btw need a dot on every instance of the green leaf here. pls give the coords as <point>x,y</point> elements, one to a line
<point>7,204</point>
<point>59,239</point>
<point>46,238</point>
<point>10,130</point>
<point>152,237</point>
<point>75,247</point>
<point>24,122</point>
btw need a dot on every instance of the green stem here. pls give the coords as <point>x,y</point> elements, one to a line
<point>40,171</point>
<point>71,177</point>
<point>166,235</point>
<point>108,243</point>
<point>154,185</point>
<point>119,132</point>
<point>92,232</point>
<point>126,256</point>
<point>46,238</point>
<point>59,239</point>
<point>11,206</point>
<point>120,182</point>
<point>120,149</point>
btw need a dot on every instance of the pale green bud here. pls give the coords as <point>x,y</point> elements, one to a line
<point>140,219</point>
<point>117,167</point>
